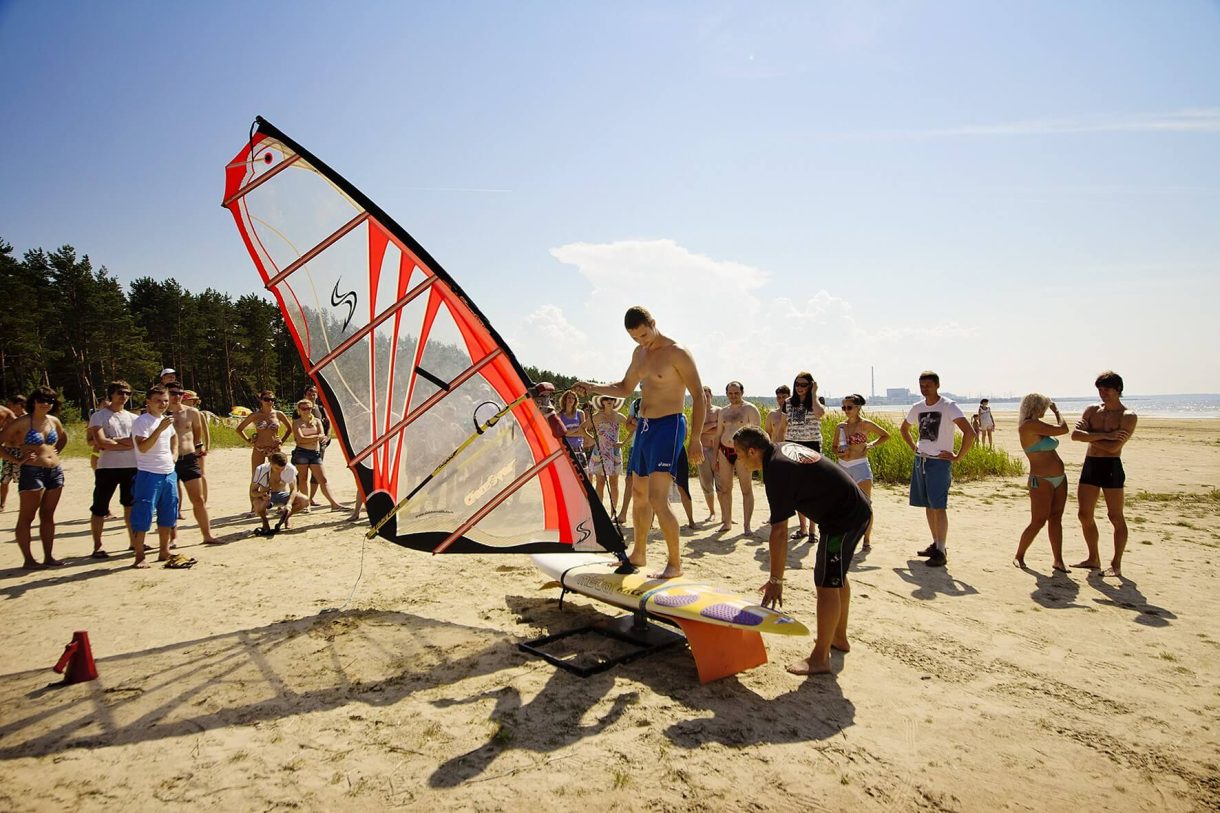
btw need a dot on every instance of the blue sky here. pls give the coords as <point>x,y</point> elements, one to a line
<point>1016,195</point>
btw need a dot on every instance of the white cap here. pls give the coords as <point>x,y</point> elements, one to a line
<point>167,371</point>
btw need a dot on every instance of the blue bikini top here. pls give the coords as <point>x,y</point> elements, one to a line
<point>33,437</point>
<point>1044,444</point>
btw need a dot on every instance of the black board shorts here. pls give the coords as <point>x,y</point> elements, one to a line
<point>1103,472</point>
<point>836,549</point>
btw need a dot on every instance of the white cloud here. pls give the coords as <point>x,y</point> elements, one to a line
<point>717,308</point>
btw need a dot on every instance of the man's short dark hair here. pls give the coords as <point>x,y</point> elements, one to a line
<point>928,375</point>
<point>637,316</point>
<point>156,389</point>
<point>1109,378</point>
<point>782,389</point>
<point>751,437</point>
<point>277,459</point>
<point>736,384</point>
<point>118,385</point>
<point>17,399</point>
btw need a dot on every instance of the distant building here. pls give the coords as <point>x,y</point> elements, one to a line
<point>897,393</point>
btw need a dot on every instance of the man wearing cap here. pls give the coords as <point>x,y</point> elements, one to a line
<point>167,375</point>
<point>660,436</point>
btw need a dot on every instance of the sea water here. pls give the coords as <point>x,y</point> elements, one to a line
<point>1148,406</point>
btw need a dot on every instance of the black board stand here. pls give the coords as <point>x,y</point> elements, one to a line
<point>635,629</point>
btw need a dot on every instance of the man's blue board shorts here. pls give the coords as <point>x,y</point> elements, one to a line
<point>657,444</point>
<point>930,479</point>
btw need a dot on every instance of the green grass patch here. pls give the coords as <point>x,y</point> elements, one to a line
<point>223,436</point>
<point>892,461</point>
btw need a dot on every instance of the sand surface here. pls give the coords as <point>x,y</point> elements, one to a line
<point>316,671</point>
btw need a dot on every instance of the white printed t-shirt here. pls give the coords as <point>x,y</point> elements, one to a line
<point>262,477</point>
<point>159,459</point>
<point>935,424</point>
<point>116,426</point>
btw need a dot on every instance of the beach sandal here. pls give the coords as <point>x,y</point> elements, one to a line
<point>99,554</point>
<point>264,532</point>
<point>280,523</point>
<point>798,534</point>
<point>180,562</point>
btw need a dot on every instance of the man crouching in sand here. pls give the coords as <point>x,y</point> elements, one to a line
<point>275,484</point>
<point>799,479</point>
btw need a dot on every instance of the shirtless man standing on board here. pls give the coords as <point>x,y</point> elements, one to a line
<point>1106,427</point>
<point>737,414</point>
<point>660,434</point>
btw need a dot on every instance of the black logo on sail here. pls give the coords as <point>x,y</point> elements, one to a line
<point>348,299</point>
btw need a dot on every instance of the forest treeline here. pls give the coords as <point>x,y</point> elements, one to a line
<point>74,328</point>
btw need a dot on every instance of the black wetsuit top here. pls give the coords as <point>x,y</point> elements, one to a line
<point>799,479</point>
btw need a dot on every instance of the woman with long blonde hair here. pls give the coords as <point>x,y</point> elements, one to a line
<point>1047,481</point>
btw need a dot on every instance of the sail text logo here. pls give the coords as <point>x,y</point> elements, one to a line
<point>348,299</point>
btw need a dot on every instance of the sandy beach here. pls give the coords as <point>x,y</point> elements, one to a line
<point>317,671</point>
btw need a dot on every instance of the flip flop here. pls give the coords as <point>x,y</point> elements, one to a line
<point>264,532</point>
<point>99,554</point>
<point>180,562</point>
<point>798,535</point>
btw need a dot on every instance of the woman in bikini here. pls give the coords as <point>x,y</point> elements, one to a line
<point>1047,482</point>
<point>266,439</point>
<point>853,438</point>
<point>38,437</point>
<point>606,456</point>
<point>308,432</point>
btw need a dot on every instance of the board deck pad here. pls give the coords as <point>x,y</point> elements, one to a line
<point>679,599</point>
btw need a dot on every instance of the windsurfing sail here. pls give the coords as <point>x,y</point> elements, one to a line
<point>433,413</point>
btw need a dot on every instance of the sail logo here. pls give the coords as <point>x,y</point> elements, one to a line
<point>585,533</point>
<point>502,476</point>
<point>348,299</point>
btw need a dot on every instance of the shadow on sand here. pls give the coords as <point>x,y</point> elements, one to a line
<point>1124,593</point>
<point>932,581</point>
<point>292,667</point>
<point>724,711</point>
<point>378,658</point>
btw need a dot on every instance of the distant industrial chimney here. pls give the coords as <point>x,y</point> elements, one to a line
<point>872,382</point>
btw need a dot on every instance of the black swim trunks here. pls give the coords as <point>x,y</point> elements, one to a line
<point>1103,472</point>
<point>187,468</point>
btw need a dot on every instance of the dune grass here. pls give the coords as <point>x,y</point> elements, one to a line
<point>892,461</point>
<point>223,436</point>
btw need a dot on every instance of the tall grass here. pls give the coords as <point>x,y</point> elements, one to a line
<point>223,435</point>
<point>892,461</point>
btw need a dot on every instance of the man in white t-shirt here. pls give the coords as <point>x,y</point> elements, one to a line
<point>156,486</point>
<point>275,483</point>
<point>933,469</point>
<point>110,433</point>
